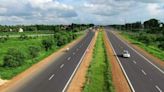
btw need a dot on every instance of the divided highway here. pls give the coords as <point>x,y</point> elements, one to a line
<point>142,75</point>
<point>57,76</point>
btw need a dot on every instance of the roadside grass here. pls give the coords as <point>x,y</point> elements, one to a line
<point>152,49</point>
<point>7,72</point>
<point>99,74</point>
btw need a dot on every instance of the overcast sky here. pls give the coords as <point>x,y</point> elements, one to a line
<point>13,12</point>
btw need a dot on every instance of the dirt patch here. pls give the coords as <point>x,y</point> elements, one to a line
<point>79,79</point>
<point>28,74</point>
<point>119,81</point>
<point>154,59</point>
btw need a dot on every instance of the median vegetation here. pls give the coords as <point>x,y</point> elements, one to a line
<point>99,74</point>
<point>18,54</point>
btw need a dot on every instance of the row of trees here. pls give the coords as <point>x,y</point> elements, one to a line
<point>149,32</point>
<point>6,28</point>
<point>15,57</point>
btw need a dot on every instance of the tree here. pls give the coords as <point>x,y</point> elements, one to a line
<point>13,58</point>
<point>47,44</point>
<point>33,51</point>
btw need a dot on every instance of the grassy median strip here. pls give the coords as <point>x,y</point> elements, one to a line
<point>99,74</point>
<point>152,49</point>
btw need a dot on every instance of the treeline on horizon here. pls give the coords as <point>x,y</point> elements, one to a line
<point>41,27</point>
<point>149,26</point>
<point>150,32</point>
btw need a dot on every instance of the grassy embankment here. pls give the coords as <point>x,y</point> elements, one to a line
<point>22,45</point>
<point>99,73</point>
<point>152,49</point>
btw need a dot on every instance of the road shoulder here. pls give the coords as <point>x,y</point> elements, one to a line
<point>119,81</point>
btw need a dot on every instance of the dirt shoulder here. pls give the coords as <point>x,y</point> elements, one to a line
<point>35,69</point>
<point>119,81</point>
<point>154,59</point>
<point>79,79</point>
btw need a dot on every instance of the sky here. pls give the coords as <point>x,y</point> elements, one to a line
<point>100,12</point>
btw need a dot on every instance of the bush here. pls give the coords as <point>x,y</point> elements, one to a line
<point>23,37</point>
<point>161,45</point>
<point>33,51</point>
<point>47,44</point>
<point>13,58</point>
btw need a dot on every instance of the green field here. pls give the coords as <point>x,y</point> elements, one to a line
<point>22,45</point>
<point>152,49</point>
<point>26,32</point>
<point>99,73</point>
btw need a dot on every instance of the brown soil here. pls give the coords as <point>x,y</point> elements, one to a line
<point>28,74</point>
<point>119,81</point>
<point>154,59</point>
<point>79,79</point>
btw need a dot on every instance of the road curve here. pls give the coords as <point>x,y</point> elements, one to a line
<point>56,77</point>
<point>143,76</point>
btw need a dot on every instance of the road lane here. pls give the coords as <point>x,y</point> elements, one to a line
<point>56,75</point>
<point>143,76</point>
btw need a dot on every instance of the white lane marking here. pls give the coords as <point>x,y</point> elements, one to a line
<point>69,58</point>
<point>51,77</point>
<point>140,55</point>
<point>131,86</point>
<point>62,66</point>
<point>73,53</point>
<point>64,89</point>
<point>158,88</point>
<point>134,62</point>
<point>143,72</point>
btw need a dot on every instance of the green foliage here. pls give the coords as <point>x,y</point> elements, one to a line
<point>23,37</point>
<point>99,77</point>
<point>33,51</point>
<point>161,45</point>
<point>47,44</point>
<point>13,58</point>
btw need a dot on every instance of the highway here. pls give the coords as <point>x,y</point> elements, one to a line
<point>142,75</point>
<point>57,76</point>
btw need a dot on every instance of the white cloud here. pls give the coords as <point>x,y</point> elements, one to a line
<point>154,9</point>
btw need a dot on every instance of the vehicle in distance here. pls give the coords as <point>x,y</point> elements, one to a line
<point>67,49</point>
<point>126,54</point>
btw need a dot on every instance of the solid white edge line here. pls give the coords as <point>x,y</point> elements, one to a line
<point>76,67</point>
<point>51,77</point>
<point>158,88</point>
<point>140,55</point>
<point>130,84</point>
<point>143,72</point>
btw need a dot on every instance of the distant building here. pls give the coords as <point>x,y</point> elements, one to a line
<point>10,30</point>
<point>20,30</point>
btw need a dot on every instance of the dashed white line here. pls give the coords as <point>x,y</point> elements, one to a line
<point>62,66</point>
<point>51,77</point>
<point>134,62</point>
<point>69,58</point>
<point>158,88</point>
<point>143,72</point>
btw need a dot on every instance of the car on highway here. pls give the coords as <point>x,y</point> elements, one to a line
<point>126,54</point>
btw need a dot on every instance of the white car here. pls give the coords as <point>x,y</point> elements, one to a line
<point>126,54</point>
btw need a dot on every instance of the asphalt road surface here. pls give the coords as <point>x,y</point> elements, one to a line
<point>56,77</point>
<point>143,76</point>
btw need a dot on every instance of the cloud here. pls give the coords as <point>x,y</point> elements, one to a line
<point>154,9</point>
